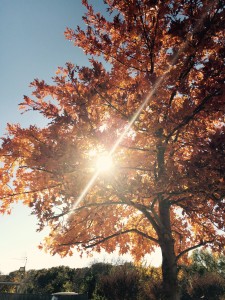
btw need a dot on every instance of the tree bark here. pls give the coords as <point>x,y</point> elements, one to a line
<point>169,263</point>
<point>166,241</point>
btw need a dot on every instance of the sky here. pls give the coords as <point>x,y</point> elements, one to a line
<point>33,46</point>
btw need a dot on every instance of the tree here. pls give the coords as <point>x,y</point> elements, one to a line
<point>92,277</point>
<point>12,282</point>
<point>204,277</point>
<point>4,288</point>
<point>205,262</point>
<point>121,283</point>
<point>150,283</point>
<point>157,108</point>
<point>47,281</point>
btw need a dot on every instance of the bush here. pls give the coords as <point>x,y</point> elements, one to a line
<point>210,286</point>
<point>121,283</point>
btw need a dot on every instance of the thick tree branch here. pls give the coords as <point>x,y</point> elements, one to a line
<point>102,240</point>
<point>202,243</point>
<point>142,208</point>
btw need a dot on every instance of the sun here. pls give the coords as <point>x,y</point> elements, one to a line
<point>104,163</point>
<point>102,160</point>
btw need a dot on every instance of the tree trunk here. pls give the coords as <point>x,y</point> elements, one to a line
<point>166,241</point>
<point>169,263</point>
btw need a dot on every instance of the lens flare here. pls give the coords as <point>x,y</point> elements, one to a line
<point>104,163</point>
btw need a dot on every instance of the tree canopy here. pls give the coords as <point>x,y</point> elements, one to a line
<point>153,101</point>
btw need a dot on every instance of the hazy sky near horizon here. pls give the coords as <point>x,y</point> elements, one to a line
<point>32,46</point>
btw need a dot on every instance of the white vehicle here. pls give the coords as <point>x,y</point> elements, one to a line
<point>68,296</point>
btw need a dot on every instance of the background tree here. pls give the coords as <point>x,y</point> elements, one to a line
<point>150,282</point>
<point>204,277</point>
<point>6,288</point>
<point>93,276</point>
<point>13,277</point>
<point>157,107</point>
<point>205,261</point>
<point>121,283</point>
<point>48,281</point>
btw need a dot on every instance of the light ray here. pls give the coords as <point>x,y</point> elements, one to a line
<point>136,115</point>
<point>86,189</point>
<point>118,141</point>
<point>140,109</point>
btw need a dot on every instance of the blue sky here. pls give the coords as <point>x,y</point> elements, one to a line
<point>32,46</point>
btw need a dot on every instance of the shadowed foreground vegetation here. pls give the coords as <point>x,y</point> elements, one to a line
<point>203,278</point>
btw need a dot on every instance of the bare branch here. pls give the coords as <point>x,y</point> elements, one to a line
<point>202,243</point>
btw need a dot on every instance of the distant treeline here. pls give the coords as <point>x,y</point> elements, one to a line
<point>203,278</point>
